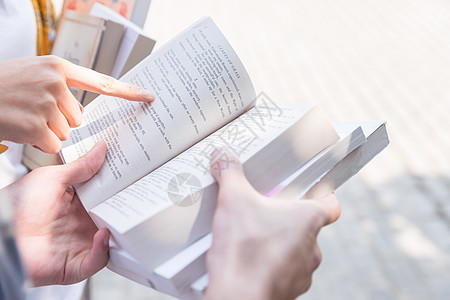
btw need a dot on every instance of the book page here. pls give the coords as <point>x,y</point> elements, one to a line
<point>128,40</point>
<point>377,140</point>
<point>200,85</point>
<point>162,188</point>
<point>296,185</point>
<point>173,206</point>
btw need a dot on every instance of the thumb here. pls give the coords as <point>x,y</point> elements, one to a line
<point>225,166</point>
<point>227,170</point>
<point>331,208</point>
<point>85,167</point>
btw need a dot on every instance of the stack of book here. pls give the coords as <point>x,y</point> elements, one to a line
<point>155,193</point>
<point>102,40</point>
<point>133,10</point>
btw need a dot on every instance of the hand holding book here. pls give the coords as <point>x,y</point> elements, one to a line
<point>263,248</point>
<point>36,92</point>
<point>50,219</point>
<point>58,242</point>
<point>153,192</point>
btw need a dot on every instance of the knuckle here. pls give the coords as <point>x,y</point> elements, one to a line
<point>55,85</point>
<point>74,118</point>
<point>252,238</point>
<point>46,105</point>
<point>35,127</point>
<point>51,85</point>
<point>317,258</point>
<point>51,74</point>
<point>65,134</point>
<point>53,147</point>
<point>76,122</point>
<point>52,61</point>
<point>87,165</point>
<point>132,89</point>
<point>315,221</point>
<point>106,84</point>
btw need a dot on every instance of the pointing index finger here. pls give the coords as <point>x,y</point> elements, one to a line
<point>89,80</point>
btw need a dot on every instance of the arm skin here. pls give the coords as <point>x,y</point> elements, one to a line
<point>263,248</point>
<point>56,238</point>
<point>36,105</point>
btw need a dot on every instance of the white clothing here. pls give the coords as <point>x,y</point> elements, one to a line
<point>17,39</point>
<point>17,29</point>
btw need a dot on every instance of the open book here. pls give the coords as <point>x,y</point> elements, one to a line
<point>184,275</point>
<point>154,150</point>
<point>154,192</point>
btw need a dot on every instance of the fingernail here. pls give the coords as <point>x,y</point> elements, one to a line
<point>146,94</point>
<point>106,242</point>
<point>36,147</point>
<point>81,107</point>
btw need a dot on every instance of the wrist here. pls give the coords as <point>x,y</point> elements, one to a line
<point>256,285</point>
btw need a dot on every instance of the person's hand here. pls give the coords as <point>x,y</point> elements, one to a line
<point>36,105</point>
<point>57,240</point>
<point>263,248</point>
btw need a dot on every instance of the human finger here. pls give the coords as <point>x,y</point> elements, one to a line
<point>85,167</point>
<point>70,108</point>
<point>226,167</point>
<point>58,124</point>
<point>331,208</point>
<point>97,258</point>
<point>48,141</point>
<point>229,174</point>
<point>86,79</point>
